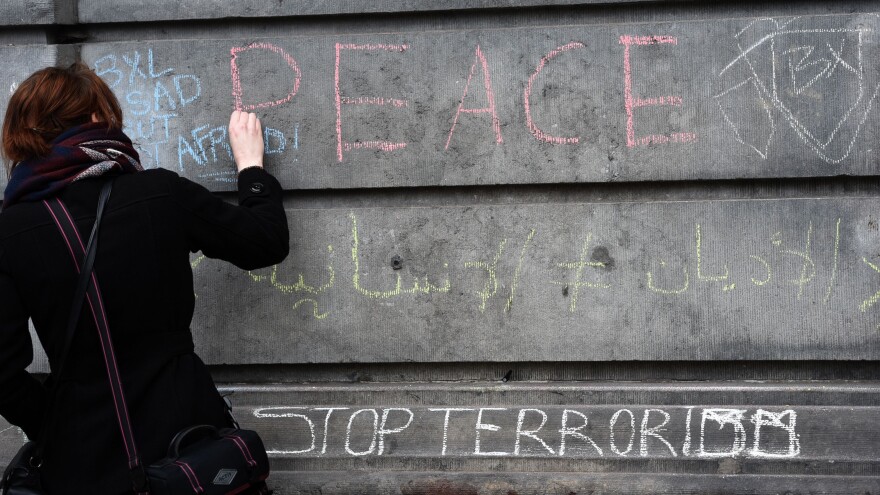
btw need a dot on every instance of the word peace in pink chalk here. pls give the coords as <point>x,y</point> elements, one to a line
<point>480,64</point>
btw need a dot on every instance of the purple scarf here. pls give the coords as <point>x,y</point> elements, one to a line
<point>88,150</point>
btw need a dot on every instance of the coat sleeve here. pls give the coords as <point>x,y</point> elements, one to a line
<point>23,399</point>
<point>252,235</point>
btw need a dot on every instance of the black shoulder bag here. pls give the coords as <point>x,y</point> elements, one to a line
<point>201,459</point>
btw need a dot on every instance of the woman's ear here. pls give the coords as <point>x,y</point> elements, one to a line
<point>95,118</point>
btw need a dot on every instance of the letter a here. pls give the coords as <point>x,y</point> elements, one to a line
<point>490,96</point>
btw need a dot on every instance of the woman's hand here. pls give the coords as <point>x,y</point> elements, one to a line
<point>246,139</point>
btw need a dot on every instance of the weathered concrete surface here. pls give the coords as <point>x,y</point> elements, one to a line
<point>27,12</point>
<point>716,99</point>
<point>547,285</point>
<point>403,424</point>
<point>556,371</point>
<point>161,10</point>
<point>422,483</point>
<point>565,433</point>
<point>19,62</point>
<point>830,393</point>
<point>701,280</point>
<point>799,433</point>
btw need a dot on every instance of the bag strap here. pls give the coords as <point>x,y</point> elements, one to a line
<point>88,263</point>
<point>88,289</point>
<point>57,213</point>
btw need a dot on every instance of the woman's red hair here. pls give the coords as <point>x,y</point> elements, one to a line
<point>51,101</point>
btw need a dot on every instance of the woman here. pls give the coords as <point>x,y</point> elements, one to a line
<point>62,133</point>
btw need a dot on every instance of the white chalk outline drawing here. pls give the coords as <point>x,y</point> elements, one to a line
<point>261,413</point>
<point>724,417</point>
<point>774,419</point>
<point>730,436</point>
<point>767,91</point>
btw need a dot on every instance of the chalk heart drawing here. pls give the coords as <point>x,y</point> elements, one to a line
<point>810,77</point>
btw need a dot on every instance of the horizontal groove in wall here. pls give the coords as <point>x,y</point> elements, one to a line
<point>580,466</point>
<point>430,483</point>
<point>564,371</point>
<point>22,35</point>
<point>850,396</point>
<point>837,187</point>
<point>481,19</point>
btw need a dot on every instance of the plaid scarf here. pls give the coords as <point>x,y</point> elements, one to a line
<point>84,151</point>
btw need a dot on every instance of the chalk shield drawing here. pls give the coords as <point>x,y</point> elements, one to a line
<point>800,72</point>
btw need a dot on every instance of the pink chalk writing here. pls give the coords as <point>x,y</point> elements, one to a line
<point>538,133</point>
<point>345,100</point>
<point>678,137</point>
<point>236,77</point>
<point>674,101</point>
<point>376,145</point>
<point>632,103</point>
<point>372,47</point>
<point>375,100</point>
<point>648,40</point>
<point>490,95</point>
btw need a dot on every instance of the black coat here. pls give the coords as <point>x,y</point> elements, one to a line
<point>152,222</point>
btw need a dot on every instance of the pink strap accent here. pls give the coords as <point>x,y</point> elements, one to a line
<point>70,232</point>
<point>191,476</point>
<point>133,460</point>
<point>63,234</point>
<point>242,446</point>
<point>91,305</point>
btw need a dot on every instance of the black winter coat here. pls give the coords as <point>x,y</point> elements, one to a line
<point>152,222</point>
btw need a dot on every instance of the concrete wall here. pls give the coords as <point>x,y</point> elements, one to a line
<point>537,247</point>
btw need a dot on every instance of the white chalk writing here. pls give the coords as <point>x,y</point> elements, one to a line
<point>532,432</point>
